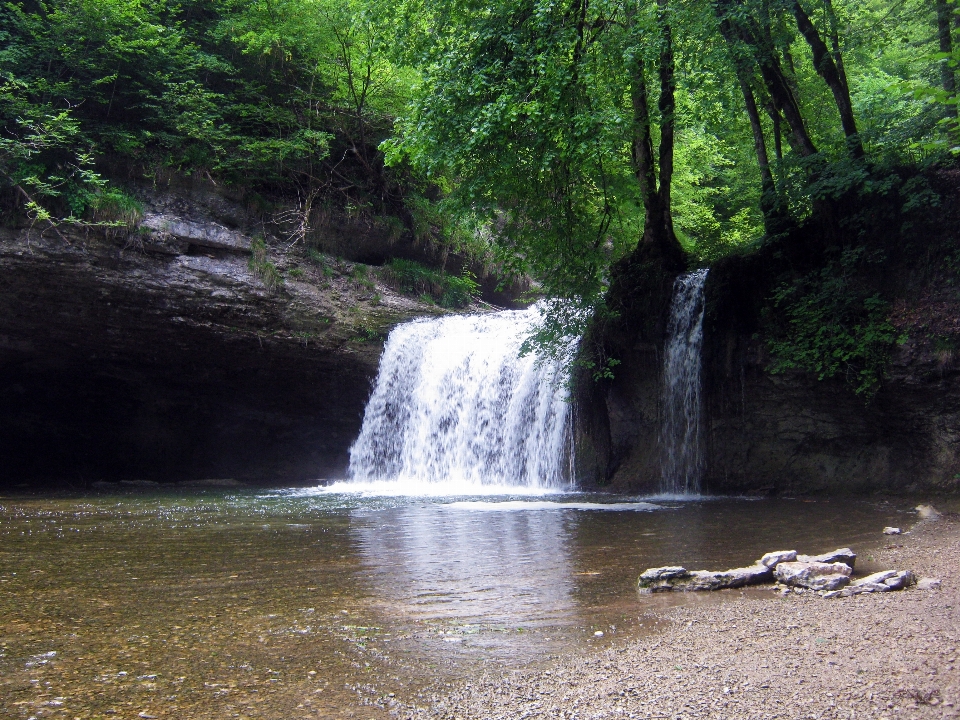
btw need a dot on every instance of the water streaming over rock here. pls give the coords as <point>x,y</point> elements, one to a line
<point>681,458</point>
<point>455,406</point>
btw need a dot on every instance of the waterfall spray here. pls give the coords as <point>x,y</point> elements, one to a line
<point>681,458</point>
<point>454,404</point>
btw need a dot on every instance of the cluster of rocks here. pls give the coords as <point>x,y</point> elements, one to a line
<point>829,574</point>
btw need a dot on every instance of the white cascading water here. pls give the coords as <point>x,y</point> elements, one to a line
<point>681,458</point>
<point>456,408</point>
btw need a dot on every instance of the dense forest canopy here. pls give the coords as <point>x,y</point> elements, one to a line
<point>553,137</point>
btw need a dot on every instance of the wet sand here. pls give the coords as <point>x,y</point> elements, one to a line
<point>891,655</point>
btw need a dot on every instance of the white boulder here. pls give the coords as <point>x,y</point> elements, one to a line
<point>880,582</point>
<point>814,575</point>
<point>772,559</point>
<point>840,555</point>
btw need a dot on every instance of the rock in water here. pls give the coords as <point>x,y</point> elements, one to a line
<point>665,579</point>
<point>737,577</point>
<point>891,531</point>
<point>772,559</point>
<point>658,579</point>
<point>842,555</point>
<point>814,575</point>
<point>927,512</point>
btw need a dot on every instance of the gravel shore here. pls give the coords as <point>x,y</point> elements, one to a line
<point>759,655</point>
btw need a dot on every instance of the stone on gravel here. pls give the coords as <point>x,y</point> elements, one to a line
<point>927,512</point>
<point>891,531</point>
<point>928,584</point>
<point>880,582</point>
<point>772,559</point>
<point>814,575</point>
<point>902,579</point>
<point>841,555</point>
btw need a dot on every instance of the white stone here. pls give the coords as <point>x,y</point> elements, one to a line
<point>929,584</point>
<point>814,575</point>
<point>927,512</point>
<point>880,582</point>
<point>772,559</point>
<point>891,531</point>
<point>877,577</point>
<point>841,555</point>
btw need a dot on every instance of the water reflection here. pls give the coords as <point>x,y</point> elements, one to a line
<point>503,568</point>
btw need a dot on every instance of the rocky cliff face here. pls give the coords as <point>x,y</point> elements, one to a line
<point>786,433</point>
<point>789,433</point>
<point>159,354</point>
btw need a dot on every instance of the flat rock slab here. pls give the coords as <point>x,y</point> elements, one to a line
<point>814,575</point>
<point>204,234</point>
<point>675,578</point>
<point>840,555</point>
<point>880,582</point>
<point>772,559</point>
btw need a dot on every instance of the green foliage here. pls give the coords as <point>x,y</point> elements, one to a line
<point>256,93</point>
<point>449,291</point>
<point>829,324</point>
<point>262,267</point>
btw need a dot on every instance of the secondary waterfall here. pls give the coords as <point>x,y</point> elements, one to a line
<point>455,406</point>
<point>681,459</point>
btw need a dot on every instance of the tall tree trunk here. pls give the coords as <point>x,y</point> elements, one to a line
<point>776,119</point>
<point>769,201</point>
<point>828,70</point>
<point>667,107</point>
<point>948,75</point>
<point>768,188</point>
<point>658,222</point>
<point>774,79</point>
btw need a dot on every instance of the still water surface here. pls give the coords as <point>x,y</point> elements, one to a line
<point>317,603</point>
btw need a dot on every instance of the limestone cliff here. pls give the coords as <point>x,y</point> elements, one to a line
<point>159,354</point>
<point>790,432</point>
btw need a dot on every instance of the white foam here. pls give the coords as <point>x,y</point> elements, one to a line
<point>513,505</point>
<point>415,488</point>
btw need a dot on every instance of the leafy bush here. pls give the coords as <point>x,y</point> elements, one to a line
<point>449,291</point>
<point>833,326</point>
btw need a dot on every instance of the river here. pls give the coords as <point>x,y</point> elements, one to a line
<point>320,603</point>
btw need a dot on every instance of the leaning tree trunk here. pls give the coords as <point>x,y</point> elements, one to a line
<point>769,202</point>
<point>831,74</point>
<point>775,80</point>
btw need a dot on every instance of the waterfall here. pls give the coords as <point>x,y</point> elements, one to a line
<point>680,438</point>
<point>456,407</point>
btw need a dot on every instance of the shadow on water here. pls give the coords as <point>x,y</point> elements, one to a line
<point>316,603</point>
